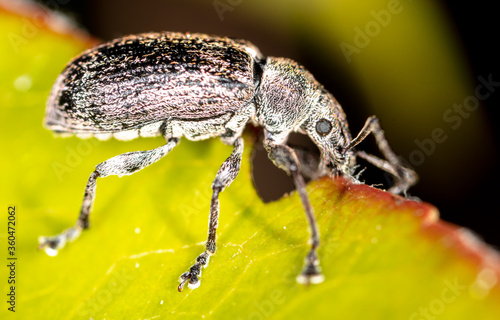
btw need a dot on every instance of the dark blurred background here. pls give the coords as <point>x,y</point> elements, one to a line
<point>421,61</point>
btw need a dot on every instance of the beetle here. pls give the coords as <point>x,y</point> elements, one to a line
<point>200,86</point>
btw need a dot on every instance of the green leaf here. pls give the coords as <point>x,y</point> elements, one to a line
<point>383,257</point>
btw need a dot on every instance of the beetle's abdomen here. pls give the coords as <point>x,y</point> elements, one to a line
<point>141,80</point>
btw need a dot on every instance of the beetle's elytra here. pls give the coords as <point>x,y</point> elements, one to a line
<point>199,86</point>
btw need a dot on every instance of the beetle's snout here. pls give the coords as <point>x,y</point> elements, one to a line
<point>336,156</point>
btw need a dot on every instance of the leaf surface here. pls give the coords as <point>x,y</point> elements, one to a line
<point>383,257</point>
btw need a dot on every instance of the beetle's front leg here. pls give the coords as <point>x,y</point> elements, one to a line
<point>285,158</point>
<point>226,174</point>
<point>123,164</point>
<point>405,177</point>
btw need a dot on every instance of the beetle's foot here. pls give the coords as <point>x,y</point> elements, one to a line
<point>53,244</point>
<point>407,178</point>
<point>311,274</point>
<point>192,277</point>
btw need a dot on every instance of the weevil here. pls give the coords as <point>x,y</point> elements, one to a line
<point>199,86</point>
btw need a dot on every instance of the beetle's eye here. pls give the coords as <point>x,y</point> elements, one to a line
<point>323,127</point>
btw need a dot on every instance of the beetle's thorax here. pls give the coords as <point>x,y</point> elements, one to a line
<point>285,95</point>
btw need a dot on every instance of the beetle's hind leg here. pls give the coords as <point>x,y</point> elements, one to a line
<point>404,177</point>
<point>124,164</point>
<point>225,176</point>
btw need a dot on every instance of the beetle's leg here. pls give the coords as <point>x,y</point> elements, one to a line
<point>405,177</point>
<point>285,158</point>
<point>410,176</point>
<point>226,174</point>
<point>124,164</point>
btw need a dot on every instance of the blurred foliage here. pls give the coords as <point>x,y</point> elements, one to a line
<point>376,251</point>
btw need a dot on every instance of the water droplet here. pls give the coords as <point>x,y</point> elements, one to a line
<point>23,83</point>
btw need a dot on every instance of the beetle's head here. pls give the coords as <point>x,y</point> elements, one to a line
<point>327,127</point>
<point>290,99</point>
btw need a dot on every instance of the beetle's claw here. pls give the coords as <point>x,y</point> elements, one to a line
<point>192,277</point>
<point>183,279</point>
<point>310,275</point>
<point>194,273</point>
<point>53,244</point>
